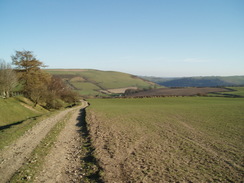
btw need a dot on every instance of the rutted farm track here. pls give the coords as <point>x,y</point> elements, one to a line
<point>63,162</point>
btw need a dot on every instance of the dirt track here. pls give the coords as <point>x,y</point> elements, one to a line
<point>13,157</point>
<point>63,160</point>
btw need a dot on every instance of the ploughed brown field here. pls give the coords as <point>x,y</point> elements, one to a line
<point>168,139</point>
<point>178,92</point>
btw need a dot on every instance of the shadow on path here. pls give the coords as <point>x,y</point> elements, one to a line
<point>90,165</point>
<point>16,123</point>
<point>12,124</point>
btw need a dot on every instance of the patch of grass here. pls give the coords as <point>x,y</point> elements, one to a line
<point>86,88</point>
<point>16,117</point>
<point>35,162</point>
<point>17,109</point>
<point>238,91</point>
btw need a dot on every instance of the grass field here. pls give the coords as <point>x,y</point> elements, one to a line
<point>234,92</point>
<point>183,139</point>
<point>238,91</point>
<point>86,88</point>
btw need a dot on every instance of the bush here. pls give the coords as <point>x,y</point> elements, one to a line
<point>54,104</point>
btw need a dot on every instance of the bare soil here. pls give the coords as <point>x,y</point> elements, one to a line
<point>121,90</point>
<point>63,157</point>
<point>177,92</point>
<point>174,153</point>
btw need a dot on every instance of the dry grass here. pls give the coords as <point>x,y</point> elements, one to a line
<point>121,90</point>
<point>77,79</point>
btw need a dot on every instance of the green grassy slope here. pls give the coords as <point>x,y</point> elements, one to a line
<point>90,82</point>
<point>234,92</point>
<point>239,91</point>
<point>17,109</point>
<point>17,115</point>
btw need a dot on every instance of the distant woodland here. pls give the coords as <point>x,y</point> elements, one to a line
<point>211,81</point>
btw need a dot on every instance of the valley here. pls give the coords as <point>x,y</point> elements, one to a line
<point>128,130</point>
<point>121,91</point>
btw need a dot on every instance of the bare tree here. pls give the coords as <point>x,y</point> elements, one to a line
<point>8,79</point>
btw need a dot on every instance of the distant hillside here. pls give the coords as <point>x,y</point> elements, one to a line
<point>198,81</point>
<point>103,83</point>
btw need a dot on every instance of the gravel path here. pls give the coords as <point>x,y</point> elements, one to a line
<point>63,162</point>
<point>12,158</point>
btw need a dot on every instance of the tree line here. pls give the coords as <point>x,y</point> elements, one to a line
<point>39,86</point>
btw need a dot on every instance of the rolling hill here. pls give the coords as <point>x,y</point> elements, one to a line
<point>211,81</point>
<point>89,82</point>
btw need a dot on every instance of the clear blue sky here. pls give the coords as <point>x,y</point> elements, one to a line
<point>142,37</point>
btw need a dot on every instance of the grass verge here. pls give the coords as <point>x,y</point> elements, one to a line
<point>17,109</point>
<point>12,132</point>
